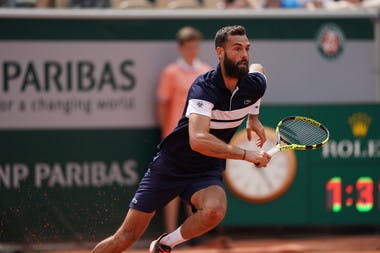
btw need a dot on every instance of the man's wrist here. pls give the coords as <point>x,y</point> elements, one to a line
<point>245,152</point>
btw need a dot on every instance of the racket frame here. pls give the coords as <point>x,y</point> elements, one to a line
<point>290,146</point>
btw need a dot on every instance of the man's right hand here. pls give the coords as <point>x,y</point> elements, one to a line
<point>259,157</point>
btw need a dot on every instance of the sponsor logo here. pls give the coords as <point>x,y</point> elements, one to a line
<point>330,41</point>
<point>359,146</point>
<point>359,123</point>
<point>71,174</point>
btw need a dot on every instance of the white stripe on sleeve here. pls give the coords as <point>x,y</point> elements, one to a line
<point>256,107</point>
<point>199,106</point>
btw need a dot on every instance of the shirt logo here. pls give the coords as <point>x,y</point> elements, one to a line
<point>134,201</point>
<point>247,101</point>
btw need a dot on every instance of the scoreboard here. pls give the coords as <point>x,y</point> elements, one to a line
<point>338,184</point>
<point>363,189</point>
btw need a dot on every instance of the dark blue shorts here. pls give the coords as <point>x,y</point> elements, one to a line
<point>158,187</point>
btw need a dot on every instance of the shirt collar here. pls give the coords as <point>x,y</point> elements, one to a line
<point>184,65</point>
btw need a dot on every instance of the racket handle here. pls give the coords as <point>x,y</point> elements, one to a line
<point>273,151</point>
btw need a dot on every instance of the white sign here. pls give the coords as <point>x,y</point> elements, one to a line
<point>108,84</point>
<point>79,84</point>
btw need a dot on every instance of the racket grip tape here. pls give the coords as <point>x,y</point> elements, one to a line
<point>273,151</point>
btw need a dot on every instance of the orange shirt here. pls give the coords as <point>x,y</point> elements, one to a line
<point>174,84</point>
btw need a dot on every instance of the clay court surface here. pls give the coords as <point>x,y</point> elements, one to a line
<point>320,244</point>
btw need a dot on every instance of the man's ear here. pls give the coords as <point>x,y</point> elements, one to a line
<point>219,51</point>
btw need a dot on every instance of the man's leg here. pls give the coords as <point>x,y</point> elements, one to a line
<point>211,205</point>
<point>129,232</point>
<point>171,215</point>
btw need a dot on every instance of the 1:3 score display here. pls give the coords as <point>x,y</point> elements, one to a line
<point>360,195</point>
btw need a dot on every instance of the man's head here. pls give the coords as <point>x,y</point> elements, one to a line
<point>232,48</point>
<point>188,40</point>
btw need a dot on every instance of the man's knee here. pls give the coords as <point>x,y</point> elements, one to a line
<point>213,214</point>
<point>211,202</point>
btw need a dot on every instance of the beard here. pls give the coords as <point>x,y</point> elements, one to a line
<point>234,70</point>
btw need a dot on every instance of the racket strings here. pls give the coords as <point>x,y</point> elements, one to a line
<point>302,133</point>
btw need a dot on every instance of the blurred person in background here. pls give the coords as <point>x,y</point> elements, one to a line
<point>243,4</point>
<point>238,4</point>
<point>28,3</point>
<point>292,4</point>
<point>175,81</point>
<point>283,4</point>
<point>90,3</point>
<point>342,4</point>
<point>261,4</point>
<point>272,4</point>
<point>371,4</point>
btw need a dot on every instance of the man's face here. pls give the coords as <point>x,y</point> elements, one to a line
<point>235,58</point>
<point>190,49</point>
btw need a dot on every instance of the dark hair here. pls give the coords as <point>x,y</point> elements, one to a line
<point>222,34</point>
<point>188,33</point>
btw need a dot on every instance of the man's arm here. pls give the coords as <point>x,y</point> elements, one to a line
<point>254,124</point>
<point>207,144</point>
<point>164,92</point>
<point>161,111</point>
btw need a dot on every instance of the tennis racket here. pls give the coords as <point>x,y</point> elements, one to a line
<point>299,133</point>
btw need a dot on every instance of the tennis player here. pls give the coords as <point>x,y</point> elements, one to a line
<point>190,160</point>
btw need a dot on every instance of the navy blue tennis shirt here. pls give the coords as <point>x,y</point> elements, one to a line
<point>209,96</point>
